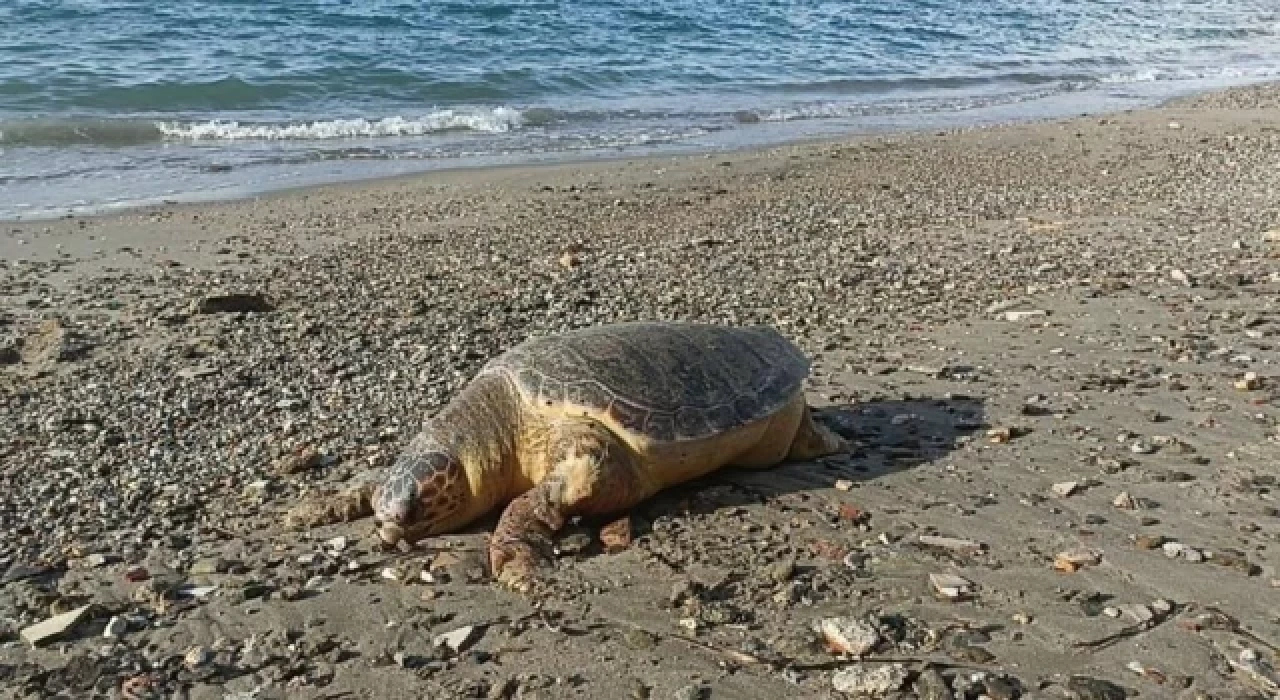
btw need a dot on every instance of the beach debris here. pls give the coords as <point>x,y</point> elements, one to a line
<point>846,635</point>
<point>1016,316</point>
<point>1258,669</point>
<point>1148,672</point>
<point>1124,501</point>
<point>950,586</point>
<point>1075,559</point>
<point>843,485</point>
<point>460,639</point>
<point>54,627</point>
<point>870,681</point>
<point>1181,276</point>
<point>955,544</point>
<point>197,372</point>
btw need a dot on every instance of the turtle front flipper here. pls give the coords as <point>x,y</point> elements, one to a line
<point>332,507</point>
<point>591,472</point>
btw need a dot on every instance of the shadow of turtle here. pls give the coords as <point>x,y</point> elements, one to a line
<point>887,436</point>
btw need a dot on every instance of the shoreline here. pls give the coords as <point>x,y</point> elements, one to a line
<point>800,133</point>
<point>1053,345</point>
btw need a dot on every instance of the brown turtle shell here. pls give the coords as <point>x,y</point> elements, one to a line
<point>668,381</point>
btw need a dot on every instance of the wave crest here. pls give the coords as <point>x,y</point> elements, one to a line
<point>496,120</point>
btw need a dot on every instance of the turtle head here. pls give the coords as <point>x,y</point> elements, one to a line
<point>422,494</point>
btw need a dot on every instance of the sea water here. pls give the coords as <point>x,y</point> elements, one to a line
<point>112,103</point>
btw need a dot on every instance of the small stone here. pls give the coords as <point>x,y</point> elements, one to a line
<point>1137,612</point>
<point>690,692</point>
<point>930,685</point>
<point>852,514</point>
<point>1173,549</point>
<point>197,372</point>
<point>1124,501</point>
<point>116,627</point>
<point>1084,688</point>
<point>846,635</point>
<point>392,574</point>
<point>209,565</point>
<point>196,657</point>
<point>337,544</point>
<point>1250,382</point>
<point>951,587</point>
<point>1016,316</point>
<point>782,571</point>
<point>459,640</point>
<point>843,484</point>
<point>1142,447</point>
<point>574,543</point>
<point>616,536</point>
<point>1181,276</point>
<point>1162,606</point>
<point>1149,541</point>
<point>1076,559</point>
<point>1023,618</point>
<point>870,681</point>
<point>954,544</point>
<point>54,627</point>
<point>1065,488</point>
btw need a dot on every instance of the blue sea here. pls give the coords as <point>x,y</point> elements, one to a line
<point>111,103</point>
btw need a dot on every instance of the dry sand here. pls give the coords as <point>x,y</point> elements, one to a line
<point>1124,427</point>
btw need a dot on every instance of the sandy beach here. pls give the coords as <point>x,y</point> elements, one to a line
<point>1054,346</point>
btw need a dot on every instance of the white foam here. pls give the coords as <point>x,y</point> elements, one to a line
<point>496,120</point>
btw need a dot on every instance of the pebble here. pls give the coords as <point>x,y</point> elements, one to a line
<point>930,685</point>
<point>846,635</point>
<point>870,680</point>
<point>1084,688</point>
<point>116,628</point>
<point>1065,488</point>
<point>459,640</point>
<point>950,586</point>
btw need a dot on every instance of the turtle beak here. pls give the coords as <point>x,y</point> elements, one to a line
<point>390,533</point>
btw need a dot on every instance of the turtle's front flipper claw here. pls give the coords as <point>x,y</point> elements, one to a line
<point>521,544</point>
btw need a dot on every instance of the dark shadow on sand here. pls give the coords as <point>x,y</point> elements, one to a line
<point>888,436</point>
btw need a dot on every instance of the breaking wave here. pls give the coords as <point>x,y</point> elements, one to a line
<point>494,121</point>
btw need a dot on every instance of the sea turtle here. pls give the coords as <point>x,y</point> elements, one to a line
<point>591,422</point>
